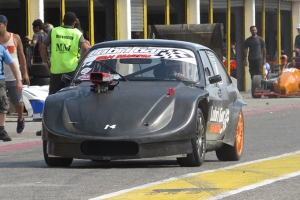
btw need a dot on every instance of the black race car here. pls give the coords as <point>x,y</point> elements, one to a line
<point>145,98</point>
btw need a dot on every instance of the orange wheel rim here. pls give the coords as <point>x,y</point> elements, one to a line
<point>239,136</point>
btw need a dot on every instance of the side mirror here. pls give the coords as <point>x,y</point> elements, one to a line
<point>215,79</point>
<point>66,78</point>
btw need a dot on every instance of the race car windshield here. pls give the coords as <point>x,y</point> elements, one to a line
<point>142,64</point>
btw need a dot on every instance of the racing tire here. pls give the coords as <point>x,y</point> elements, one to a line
<point>256,83</point>
<point>233,153</point>
<point>196,158</point>
<point>39,70</point>
<point>55,161</point>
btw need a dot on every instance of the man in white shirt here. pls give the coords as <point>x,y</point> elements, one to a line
<point>14,45</point>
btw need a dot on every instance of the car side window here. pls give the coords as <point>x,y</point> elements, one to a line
<point>207,66</point>
<point>218,68</point>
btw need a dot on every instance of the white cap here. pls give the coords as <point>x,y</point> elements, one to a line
<point>298,27</point>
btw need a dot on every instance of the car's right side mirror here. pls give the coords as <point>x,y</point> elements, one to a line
<point>215,79</point>
<point>66,78</point>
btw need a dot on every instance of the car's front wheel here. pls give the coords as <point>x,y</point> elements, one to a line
<point>233,153</point>
<point>196,158</point>
<point>55,161</point>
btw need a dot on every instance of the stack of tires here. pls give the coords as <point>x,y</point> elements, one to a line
<point>38,72</point>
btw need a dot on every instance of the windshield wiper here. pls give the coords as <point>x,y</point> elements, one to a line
<point>111,69</point>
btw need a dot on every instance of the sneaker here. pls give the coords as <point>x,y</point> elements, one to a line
<point>20,126</point>
<point>4,136</point>
<point>38,133</point>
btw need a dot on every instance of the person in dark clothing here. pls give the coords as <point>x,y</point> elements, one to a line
<point>297,47</point>
<point>63,61</point>
<point>173,70</point>
<point>232,51</point>
<point>257,52</point>
<point>78,26</point>
<point>37,39</point>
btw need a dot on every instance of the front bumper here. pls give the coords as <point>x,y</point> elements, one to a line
<point>115,149</point>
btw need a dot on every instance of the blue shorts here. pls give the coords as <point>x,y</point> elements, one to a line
<point>16,98</point>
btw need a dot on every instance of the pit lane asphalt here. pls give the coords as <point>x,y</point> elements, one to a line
<point>49,183</point>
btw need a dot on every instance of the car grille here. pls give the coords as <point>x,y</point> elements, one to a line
<point>109,148</point>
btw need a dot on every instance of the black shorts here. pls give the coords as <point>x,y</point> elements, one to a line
<point>255,67</point>
<point>56,83</point>
<point>4,103</point>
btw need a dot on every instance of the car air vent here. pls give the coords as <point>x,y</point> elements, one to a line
<point>109,148</point>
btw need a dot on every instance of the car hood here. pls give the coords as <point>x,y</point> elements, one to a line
<point>131,108</point>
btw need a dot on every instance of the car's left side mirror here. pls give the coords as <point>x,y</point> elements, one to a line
<point>66,78</point>
<point>215,79</point>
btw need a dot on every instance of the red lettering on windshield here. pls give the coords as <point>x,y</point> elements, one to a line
<point>133,56</point>
<point>105,57</point>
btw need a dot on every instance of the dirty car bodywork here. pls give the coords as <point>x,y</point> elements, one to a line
<point>126,101</point>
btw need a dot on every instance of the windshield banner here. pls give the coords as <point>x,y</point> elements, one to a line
<point>141,52</point>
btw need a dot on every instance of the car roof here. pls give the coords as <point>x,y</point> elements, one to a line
<point>151,42</point>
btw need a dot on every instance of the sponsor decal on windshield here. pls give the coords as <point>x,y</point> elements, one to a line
<point>123,56</point>
<point>141,52</point>
<point>86,70</point>
<point>154,55</point>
